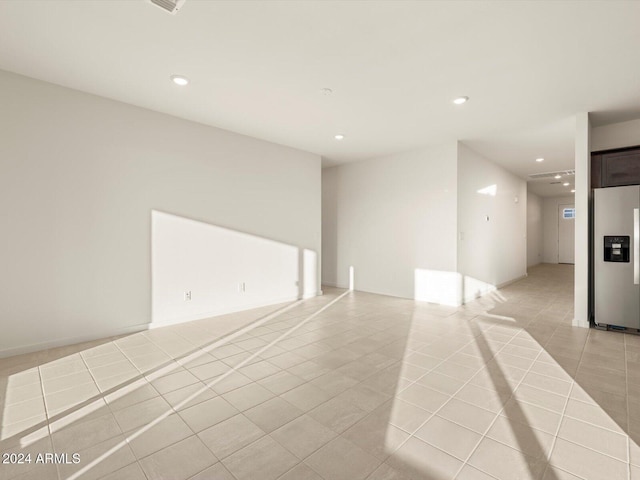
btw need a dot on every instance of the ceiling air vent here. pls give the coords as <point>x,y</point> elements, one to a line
<point>171,6</point>
<point>563,173</point>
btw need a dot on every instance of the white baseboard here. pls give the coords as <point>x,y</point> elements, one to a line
<point>514,280</point>
<point>493,288</point>
<point>226,311</point>
<point>62,342</point>
<point>334,285</point>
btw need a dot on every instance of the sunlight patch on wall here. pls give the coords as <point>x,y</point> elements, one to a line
<point>201,270</point>
<point>474,288</point>
<point>437,286</point>
<point>309,273</point>
<point>352,278</point>
<point>491,190</point>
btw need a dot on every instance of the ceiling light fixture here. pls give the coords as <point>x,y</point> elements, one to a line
<point>539,159</point>
<point>565,184</point>
<point>573,190</point>
<point>326,91</point>
<point>339,136</point>
<point>461,100</point>
<point>558,176</point>
<point>179,80</point>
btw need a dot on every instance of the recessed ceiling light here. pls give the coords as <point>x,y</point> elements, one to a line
<point>179,80</point>
<point>573,190</point>
<point>558,176</point>
<point>565,184</point>
<point>339,136</point>
<point>539,159</point>
<point>461,100</point>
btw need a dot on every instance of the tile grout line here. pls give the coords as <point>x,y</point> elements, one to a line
<point>588,423</point>
<point>433,414</point>
<point>112,414</point>
<point>300,461</point>
<point>562,415</point>
<point>174,358</point>
<point>511,342</point>
<point>454,353</point>
<point>498,414</point>
<point>340,434</point>
<point>141,378</point>
<point>519,368</point>
<point>167,413</point>
<point>555,436</point>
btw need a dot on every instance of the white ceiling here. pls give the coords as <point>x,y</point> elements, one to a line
<point>258,67</point>
<point>552,187</point>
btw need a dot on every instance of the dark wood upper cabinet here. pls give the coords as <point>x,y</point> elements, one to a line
<point>616,168</point>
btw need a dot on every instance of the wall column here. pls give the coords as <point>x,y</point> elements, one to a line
<point>582,199</point>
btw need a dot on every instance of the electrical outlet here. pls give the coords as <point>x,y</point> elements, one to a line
<point>187,296</point>
<point>242,287</point>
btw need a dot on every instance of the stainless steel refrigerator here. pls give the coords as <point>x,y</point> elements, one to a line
<point>617,256</point>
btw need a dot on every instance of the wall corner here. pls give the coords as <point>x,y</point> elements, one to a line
<point>582,201</point>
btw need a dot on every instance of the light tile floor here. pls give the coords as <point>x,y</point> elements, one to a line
<point>344,386</point>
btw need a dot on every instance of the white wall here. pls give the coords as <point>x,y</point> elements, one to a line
<point>582,198</point>
<point>393,219</point>
<point>330,203</point>
<point>493,252</point>
<point>550,226</point>
<point>534,229</point>
<point>79,177</point>
<point>413,225</point>
<point>616,135</point>
<point>224,270</point>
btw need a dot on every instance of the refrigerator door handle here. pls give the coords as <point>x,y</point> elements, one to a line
<point>636,246</point>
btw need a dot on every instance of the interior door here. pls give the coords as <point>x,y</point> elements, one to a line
<point>566,233</point>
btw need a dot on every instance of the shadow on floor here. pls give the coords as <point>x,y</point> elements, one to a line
<point>368,387</point>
